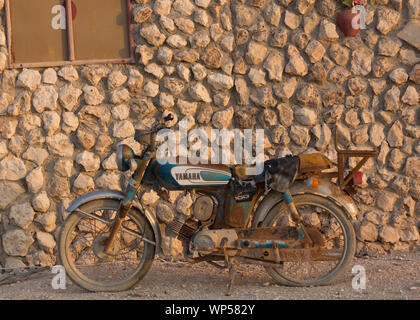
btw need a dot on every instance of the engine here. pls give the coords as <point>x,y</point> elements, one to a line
<point>203,212</point>
<point>272,244</point>
<point>203,208</point>
<point>213,240</point>
<point>182,228</point>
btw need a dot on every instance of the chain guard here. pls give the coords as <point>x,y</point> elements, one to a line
<point>270,244</point>
<point>297,250</point>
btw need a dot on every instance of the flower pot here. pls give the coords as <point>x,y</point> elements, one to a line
<point>349,22</point>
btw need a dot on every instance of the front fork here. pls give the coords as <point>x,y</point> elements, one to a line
<point>296,217</point>
<point>133,187</point>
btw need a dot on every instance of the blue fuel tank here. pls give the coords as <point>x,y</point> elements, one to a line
<point>185,176</point>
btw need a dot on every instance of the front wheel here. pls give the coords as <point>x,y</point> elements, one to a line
<point>331,221</point>
<point>81,247</point>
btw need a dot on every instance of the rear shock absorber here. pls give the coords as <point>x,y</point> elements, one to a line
<point>295,215</point>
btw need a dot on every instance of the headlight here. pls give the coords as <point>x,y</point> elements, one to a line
<point>124,155</point>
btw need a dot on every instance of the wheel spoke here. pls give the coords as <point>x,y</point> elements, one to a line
<point>319,218</point>
<point>91,264</point>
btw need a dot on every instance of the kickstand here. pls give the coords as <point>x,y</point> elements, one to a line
<point>231,264</point>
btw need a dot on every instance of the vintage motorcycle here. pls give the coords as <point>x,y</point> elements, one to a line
<point>291,219</point>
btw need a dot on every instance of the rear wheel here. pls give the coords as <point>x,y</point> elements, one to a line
<point>325,216</point>
<point>81,247</point>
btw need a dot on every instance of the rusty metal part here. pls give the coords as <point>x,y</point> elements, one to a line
<point>328,175</point>
<point>268,237</point>
<point>343,182</point>
<point>314,162</point>
<point>118,195</point>
<point>114,231</point>
<point>122,213</point>
<point>236,215</point>
<point>187,230</point>
<point>283,254</point>
<point>276,255</point>
<point>294,213</point>
<point>330,191</point>
<point>273,244</point>
<point>271,233</point>
<point>296,218</point>
<point>127,203</point>
<point>215,240</point>
<point>232,264</point>
<point>232,273</point>
<point>239,214</point>
<point>326,189</point>
<point>141,169</point>
<point>98,247</point>
<point>300,252</point>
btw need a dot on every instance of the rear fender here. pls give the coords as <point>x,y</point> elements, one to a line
<point>325,189</point>
<point>118,195</point>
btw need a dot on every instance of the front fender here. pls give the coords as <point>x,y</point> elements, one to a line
<point>325,189</point>
<point>118,195</point>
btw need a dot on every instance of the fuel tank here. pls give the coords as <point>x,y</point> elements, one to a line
<point>184,176</point>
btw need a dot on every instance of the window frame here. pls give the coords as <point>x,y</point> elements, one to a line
<point>70,41</point>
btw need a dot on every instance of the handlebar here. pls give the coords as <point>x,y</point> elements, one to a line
<point>149,137</point>
<point>161,124</point>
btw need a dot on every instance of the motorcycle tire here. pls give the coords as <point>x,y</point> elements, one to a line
<point>70,230</point>
<point>349,240</point>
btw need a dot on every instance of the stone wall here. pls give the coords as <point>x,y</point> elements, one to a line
<point>281,65</point>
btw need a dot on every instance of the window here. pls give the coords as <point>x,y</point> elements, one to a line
<point>40,33</point>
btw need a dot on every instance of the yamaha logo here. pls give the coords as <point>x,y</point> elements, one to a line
<point>197,176</point>
<point>187,176</point>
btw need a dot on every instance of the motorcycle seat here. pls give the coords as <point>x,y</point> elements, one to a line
<point>314,162</point>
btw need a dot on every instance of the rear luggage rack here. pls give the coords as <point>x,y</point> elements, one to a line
<point>315,164</point>
<point>343,182</point>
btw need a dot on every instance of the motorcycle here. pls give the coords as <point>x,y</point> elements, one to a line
<point>292,219</point>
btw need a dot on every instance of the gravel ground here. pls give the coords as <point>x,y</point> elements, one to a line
<point>394,276</point>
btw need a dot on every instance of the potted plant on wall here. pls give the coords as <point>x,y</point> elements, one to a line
<point>348,20</point>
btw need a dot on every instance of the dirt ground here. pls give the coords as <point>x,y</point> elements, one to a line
<point>394,276</point>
